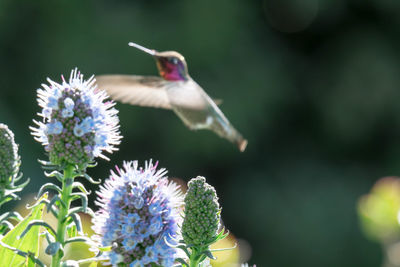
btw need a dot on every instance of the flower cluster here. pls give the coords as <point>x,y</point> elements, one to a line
<point>139,210</point>
<point>9,176</point>
<point>78,124</point>
<point>9,158</point>
<point>202,213</point>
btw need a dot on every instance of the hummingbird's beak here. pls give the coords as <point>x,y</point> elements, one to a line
<point>144,49</point>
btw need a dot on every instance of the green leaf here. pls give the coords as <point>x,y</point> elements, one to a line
<point>72,231</point>
<point>29,243</point>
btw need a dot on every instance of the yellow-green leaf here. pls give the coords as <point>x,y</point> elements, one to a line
<point>29,243</point>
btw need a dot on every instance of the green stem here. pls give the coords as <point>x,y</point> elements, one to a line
<point>194,259</point>
<point>62,222</point>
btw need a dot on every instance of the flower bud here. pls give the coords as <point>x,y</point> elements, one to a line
<point>9,158</point>
<point>202,213</point>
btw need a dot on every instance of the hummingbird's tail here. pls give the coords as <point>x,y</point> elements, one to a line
<point>221,126</point>
<point>241,143</point>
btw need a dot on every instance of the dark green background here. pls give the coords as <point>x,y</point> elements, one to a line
<point>312,84</point>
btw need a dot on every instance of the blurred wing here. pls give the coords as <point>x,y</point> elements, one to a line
<point>147,91</point>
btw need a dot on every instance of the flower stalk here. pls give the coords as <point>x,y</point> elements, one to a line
<point>62,215</point>
<point>78,125</point>
<point>196,257</point>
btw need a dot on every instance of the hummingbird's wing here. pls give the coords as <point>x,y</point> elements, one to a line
<point>147,91</point>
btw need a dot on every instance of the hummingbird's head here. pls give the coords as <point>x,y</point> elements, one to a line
<point>171,65</point>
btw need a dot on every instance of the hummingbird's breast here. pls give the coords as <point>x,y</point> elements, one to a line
<point>188,101</point>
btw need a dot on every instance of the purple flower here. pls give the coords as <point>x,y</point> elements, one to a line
<point>139,208</point>
<point>77,114</point>
<point>55,127</point>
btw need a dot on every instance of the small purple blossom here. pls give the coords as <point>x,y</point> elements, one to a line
<point>67,113</point>
<point>136,263</point>
<point>55,128</point>
<point>78,124</point>
<point>69,103</point>
<point>139,209</point>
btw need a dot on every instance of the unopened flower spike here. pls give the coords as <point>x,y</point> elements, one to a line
<point>201,222</point>
<point>78,124</point>
<point>139,210</point>
<point>9,175</point>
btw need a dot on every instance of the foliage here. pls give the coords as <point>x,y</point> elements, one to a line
<point>20,246</point>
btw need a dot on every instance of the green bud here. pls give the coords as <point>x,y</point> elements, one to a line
<point>9,158</point>
<point>202,213</point>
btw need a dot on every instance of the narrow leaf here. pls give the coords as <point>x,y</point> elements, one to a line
<point>81,187</point>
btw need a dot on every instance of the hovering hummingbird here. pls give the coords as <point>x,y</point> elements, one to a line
<point>175,90</point>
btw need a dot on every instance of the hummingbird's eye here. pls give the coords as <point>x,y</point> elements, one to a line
<point>173,60</point>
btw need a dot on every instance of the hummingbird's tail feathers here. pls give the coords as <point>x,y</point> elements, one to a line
<point>242,144</point>
<point>221,126</point>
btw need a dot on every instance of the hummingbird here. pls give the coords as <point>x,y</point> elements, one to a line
<point>175,90</point>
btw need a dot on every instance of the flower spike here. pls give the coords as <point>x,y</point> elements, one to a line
<point>139,211</point>
<point>78,124</point>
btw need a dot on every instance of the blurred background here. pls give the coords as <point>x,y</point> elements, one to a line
<point>312,84</point>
